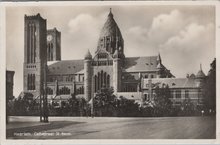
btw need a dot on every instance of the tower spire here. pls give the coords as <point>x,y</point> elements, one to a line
<point>110,37</point>
<point>110,13</point>
<point>200,66</point>
<point>159,58</point>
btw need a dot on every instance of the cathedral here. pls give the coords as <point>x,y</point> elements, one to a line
<point>132,77</point>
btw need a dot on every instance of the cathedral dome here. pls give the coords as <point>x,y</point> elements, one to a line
<point>88,55</point>
<point>110,27</point>
<point>110,37</point>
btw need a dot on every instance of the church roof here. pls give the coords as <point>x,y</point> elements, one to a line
<point>110,27</point>
<point>132,64</point>
<point>65,67</point>
<point>175,82</point>
<point>140,64</point>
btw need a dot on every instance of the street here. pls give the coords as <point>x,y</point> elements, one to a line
<point>112,128</point>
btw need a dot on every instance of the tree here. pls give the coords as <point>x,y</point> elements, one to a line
<point>73,104</point>
<point>127,107</point>
<point>162,104</point>
<point>24,104</point>
<point>105,102</point>
<point>8,106</point>
<point>187,107</point>
<point>210,89</point>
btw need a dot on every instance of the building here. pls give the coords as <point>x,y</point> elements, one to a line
<point>109,66</point>
<point>9,89</point>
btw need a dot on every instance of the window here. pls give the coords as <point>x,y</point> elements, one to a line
<point>178,93</point>
<point>145,97</point>
<point>146,76</point>
<point>101,79</point>
<point>130,88</point>
<point>31,82</point>
<point>64,91</point>
<point>152,76</point>
<point>186,93</point>
<point>80,90</point>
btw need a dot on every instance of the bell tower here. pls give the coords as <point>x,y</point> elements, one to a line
<point>35,54</point>
<point>53,45</point>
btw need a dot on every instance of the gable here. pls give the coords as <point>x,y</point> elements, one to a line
<point>102,54</point>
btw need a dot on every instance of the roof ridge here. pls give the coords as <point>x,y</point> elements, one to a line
<point>70,60</point>
<point>141,56</point>
<point>169,78</point>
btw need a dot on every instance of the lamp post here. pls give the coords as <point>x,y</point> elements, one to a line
<point>44,113</point>
<point>92,106</point>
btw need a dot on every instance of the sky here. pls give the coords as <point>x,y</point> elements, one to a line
<point>183,35</point>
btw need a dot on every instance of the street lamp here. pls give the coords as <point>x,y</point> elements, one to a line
<point>92,105</point>
<point>44,113</point>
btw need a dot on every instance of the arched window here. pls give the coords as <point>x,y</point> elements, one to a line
<point>100,80</point>
<point>80,90</point>
<point>64,91</point>
<point>28,82</point>
<point>31,82</point>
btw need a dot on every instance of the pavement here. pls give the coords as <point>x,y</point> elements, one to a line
<point>24,127</point>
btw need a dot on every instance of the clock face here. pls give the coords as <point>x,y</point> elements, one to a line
<point>49,37</point>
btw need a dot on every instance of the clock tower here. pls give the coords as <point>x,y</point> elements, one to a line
<point>53,45</point>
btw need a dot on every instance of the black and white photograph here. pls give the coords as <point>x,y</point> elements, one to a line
<point>110,71</point>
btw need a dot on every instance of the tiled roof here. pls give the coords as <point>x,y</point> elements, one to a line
<point>175,82</point>
<point>110,28</point>
<point>65,67</point>
<point>139,64</point>
<point>132,64</point>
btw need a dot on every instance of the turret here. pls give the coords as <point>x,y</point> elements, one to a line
<point>87,75</point>
<point>200,77</point>
<point>117,72</point>
<point>159,66</point>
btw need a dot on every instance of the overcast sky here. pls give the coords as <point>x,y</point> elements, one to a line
<point>184,35</point>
